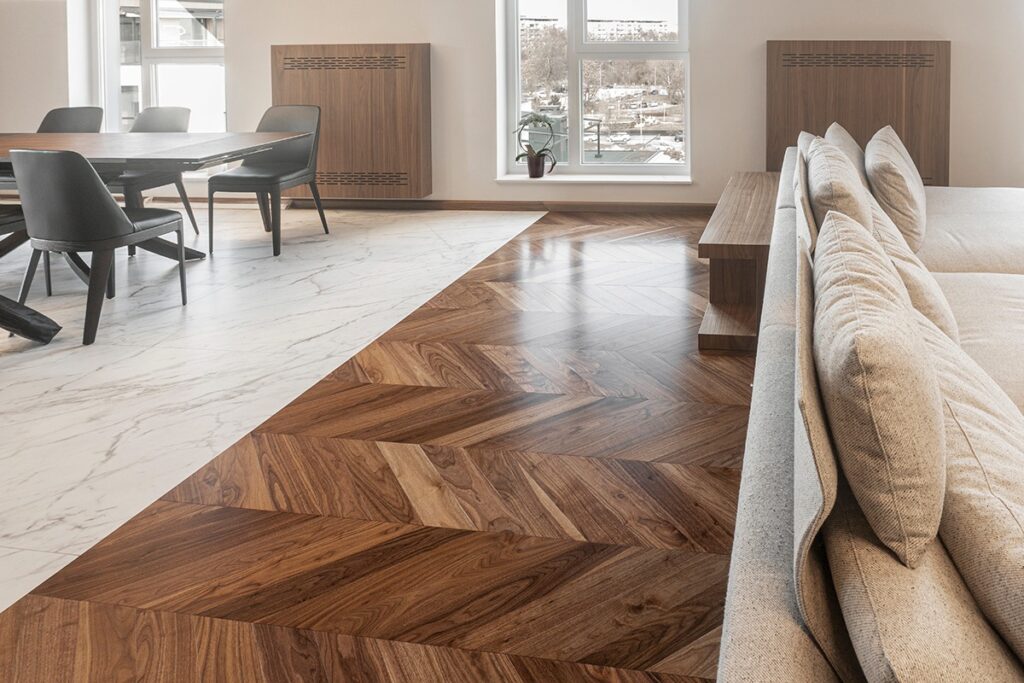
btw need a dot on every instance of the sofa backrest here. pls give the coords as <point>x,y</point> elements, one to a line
<point>764,637</point>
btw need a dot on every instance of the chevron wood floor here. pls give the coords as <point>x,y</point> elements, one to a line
<point>532,478</point>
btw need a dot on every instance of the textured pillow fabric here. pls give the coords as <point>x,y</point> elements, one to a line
<point>925,293</point>
<point>803,142</point>
<point>806,225</point>
<point>834,184</point>
<point>983,521</point>
<point>842,139</point>
<point>910,625</point>
<point>896,183</point>
<point>815,473</point>
<point>879,388</point>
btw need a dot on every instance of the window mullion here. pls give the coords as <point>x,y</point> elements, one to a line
<point>576,28</point>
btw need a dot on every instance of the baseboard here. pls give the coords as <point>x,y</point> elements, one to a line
<point>474,205</point>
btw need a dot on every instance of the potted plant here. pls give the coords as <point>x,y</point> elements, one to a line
<point>536,159</point>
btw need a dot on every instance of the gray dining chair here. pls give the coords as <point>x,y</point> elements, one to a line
<point>287,165</point>
<point>62,120</point>
<point>133,183</point>
<point>68,208</point>
<point>72,120</point>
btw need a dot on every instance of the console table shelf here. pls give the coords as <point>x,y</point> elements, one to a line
<point>736,241</point>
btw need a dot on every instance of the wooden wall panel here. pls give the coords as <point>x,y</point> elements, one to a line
<point>864,85</point>
<point>375,137</point>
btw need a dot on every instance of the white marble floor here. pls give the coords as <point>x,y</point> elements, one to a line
<point>91,435</point>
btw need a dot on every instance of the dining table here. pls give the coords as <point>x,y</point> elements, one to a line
<point>112,154</point>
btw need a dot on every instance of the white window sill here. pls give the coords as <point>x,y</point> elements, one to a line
<point>594,179</point>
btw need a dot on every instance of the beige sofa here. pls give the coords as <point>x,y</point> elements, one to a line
<point>784,619</point>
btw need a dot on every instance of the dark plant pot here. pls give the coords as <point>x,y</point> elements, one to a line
<point>537,165</point>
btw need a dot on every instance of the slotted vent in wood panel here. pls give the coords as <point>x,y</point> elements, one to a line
<point>892,61</point>
<point>362,178</point>
<point>345,63</point>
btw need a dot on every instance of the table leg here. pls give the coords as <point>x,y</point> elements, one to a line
<point>162,247</point>
<point>12,242</point>
<point>78,266</point>
<point>25,322</point>
<point>158,245</point>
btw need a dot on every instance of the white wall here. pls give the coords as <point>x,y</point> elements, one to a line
<point>33,61</point>
<point>728,72</point>
<point>727,40</point>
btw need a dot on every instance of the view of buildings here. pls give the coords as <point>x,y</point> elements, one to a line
<point>631,110</point>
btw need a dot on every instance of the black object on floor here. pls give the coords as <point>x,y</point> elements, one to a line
<point>26,322</point>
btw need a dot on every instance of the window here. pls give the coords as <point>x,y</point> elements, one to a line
<point>604,83</point>
<point>171,53</point>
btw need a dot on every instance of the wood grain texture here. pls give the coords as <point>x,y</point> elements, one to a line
<point>737,242</point>
<point>375,140</point>
<point>864,85</point>
<point>532,478</point>
<point>740,227</point>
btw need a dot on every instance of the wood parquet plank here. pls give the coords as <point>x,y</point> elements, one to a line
<point>143,645</point>
<point>531,478</point>
<point>470,590</point>
<point>585,499</point>
<point>599,427</point>
<point>701,378</point>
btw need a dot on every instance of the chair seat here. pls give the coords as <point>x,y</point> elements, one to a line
<point>147,219</point>
<point>143,180</point>
<point>262,175</point>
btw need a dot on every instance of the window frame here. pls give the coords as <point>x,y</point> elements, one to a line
<point>579,50</point>
<point>151,56</point>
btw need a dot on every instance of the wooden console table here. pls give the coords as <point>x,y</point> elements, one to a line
<point>736,241</point>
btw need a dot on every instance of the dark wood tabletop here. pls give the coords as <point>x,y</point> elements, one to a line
<point>169,151</point>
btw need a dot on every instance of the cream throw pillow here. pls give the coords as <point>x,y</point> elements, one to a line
<point>833,189</point>
<point>842,139</point>
<point>879,388</point>
<point>896,183</point>
<point>834,184</point>
<point>924,291</point>
<point>983,521</point>
<point>910,625</point>
<point>803,142</point>
<point>806,225</point>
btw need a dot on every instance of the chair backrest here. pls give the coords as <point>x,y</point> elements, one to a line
<point>72,120</point>
<point>162,120</point>
<point>64,199</point>
<point>291,118</point>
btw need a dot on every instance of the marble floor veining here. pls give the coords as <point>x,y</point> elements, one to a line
<point>91,435</point>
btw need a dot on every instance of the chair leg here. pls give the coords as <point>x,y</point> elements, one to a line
<point>263,199</point>
<point>98,279</point>
<point>209,205</point>
<point>46,273</point>
<point>275,219</point>
<point>111,282</point>
<point>30,273</point>
<point>181,265</point>
<point>319,206</point>
<point>180,184</point>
